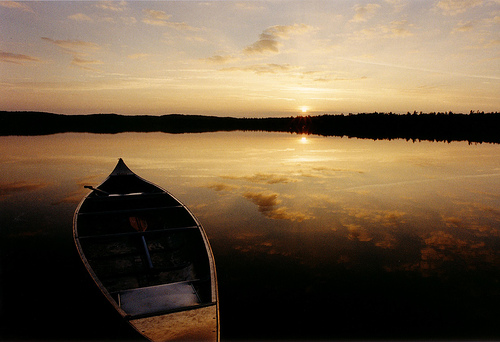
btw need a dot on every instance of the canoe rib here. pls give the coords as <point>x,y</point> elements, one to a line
<point>137,211</point>
<point>136,233</point>
<point>149,256</point>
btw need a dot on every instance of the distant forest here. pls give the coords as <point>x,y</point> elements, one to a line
<point>474,127</point>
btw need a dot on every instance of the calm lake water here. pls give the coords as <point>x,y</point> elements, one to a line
<point>313,237</point>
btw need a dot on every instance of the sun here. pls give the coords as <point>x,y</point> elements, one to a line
<point>304,109</point>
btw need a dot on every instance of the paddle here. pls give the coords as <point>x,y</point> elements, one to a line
<point>141,225</point>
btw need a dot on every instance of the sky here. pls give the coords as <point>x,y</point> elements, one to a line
<point>250,58</point>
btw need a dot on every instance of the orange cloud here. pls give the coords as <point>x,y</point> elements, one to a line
<point>265,178</point>
<point>454,7</point>
<point>115,6</point>
<point>269,68</point>
<point>444,241</point>
<point>160,18</point>
<point>80,17</point>
<point>16,5</point>
<point>222,187</point>
<point>268,39</point>
<point>77,48</point>
<point>356,232</point>
<point>283,213</point>
<point>138,56</point>
<point>15,187</point>
<point>442,247</point>
<point>85,63</point>
<point>15,58</point>
<point>267,204</point>
<point>73,46</point>
<point>363,13</point>
<point>219,59</point>
<point>387,218</point>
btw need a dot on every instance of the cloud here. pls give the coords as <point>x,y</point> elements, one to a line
<point>115,6</point>
<point>138,56</point>
<point>334,170</point>
<point>267,204</point>
<point>160,18</point>
<point>128,20</point>
<point>484,44</point>
<point>284,31</point>
<point>249,6</point>
<point>16,5</point>
<point>124,19</point>
<point>356,232</point>
<point>284,213</point>
<point>15,58</point>
<point>15,187</point>
<point>80,17</point>
<point>268,40</point>
<point>85,63</point>
<point>444,241</point>
<point>395,29</point>
<point>265,178</point>
<point>463,27</point>
<point>454,7</point>
<point>451,221</point>
<point>398,29</point>
<point>323,201</point>
<point>270,68</point>
<point>73,46</point>
<point>264,44</point>
<point>219,59</point>
<point>364,12</point>
<point>398,5</point>
<point>386,218</point>
<point>388,242</point>
<point>80,191</point>
<point>222,187</point>
<point>391,218</point>
<point>77,49</point>
<point>441,247</point>
<point>74,197</point>
<point>181,26</point>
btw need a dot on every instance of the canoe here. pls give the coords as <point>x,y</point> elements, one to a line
<point>150,257</point>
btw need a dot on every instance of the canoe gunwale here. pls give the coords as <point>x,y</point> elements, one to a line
<point>114,212</point>
<point>145,233</point>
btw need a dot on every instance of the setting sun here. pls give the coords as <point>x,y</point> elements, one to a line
<point>304,109</point>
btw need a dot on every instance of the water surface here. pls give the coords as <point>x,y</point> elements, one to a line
<point>313,237</point>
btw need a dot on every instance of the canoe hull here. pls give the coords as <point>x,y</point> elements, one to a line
<point>150,257</point>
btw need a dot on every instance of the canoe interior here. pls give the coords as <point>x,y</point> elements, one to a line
<point>120,261</point>
<point>144,248</point>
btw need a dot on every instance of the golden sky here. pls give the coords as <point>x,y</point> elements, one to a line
<point>250,58</point>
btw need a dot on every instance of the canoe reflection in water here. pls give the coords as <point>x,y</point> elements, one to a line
<point>150,257</point>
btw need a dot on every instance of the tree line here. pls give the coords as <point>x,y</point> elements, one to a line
<point>475,127</point>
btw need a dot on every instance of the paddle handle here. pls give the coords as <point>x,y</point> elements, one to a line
<point>146,251</point>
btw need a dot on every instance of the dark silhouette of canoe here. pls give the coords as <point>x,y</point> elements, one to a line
<point>150,257</point>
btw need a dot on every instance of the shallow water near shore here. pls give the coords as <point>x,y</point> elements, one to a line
<point>313,237</point>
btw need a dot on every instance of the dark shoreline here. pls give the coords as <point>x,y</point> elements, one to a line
<point>447,127</point>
